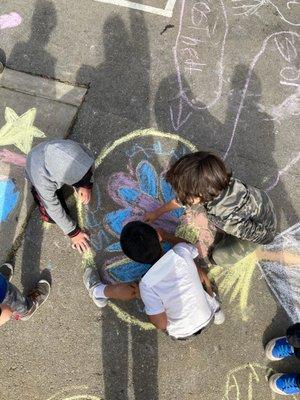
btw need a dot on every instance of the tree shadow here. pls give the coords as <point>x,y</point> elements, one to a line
<point>118,101</point>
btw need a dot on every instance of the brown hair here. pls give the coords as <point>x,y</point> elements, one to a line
<point>201,174</point>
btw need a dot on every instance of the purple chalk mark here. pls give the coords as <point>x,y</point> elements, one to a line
<point>193,103</point>
<point>10,20</point>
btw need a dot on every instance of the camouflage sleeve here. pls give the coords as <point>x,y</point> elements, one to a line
<point>247,229</point>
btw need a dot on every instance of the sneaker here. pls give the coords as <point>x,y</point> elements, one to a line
<point>219,317</point>
<point>38,295</point>
<point>286,384</point>
<point>7,270</point>
<point>91,280</point>
<point>279,348</point>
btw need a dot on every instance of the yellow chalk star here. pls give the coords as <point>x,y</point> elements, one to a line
<point>19,130</point>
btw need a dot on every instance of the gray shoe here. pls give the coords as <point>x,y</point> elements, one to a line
<point>7,270</point>
<point>91,280</point>
<point>38,296</point>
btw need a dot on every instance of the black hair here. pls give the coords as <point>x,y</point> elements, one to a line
<point>140,242</point>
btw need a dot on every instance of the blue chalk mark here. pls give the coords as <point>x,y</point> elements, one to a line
<point>9,196</point>
<point>148,178</point>
<point>115,219</point>
<point>114,247</point>
<point>128,194</point>
<point>178,212</point>
<point>129,271</point>
<point>166,190</point>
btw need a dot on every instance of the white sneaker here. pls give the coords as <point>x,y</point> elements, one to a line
<point>91,280</point>
<point>219,317</point>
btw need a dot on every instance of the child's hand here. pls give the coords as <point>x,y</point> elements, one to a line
<point>162,235</point>
<point>84,195</point>
<point>5,315</point>
<point>80,242</point>
<point>150,216</point>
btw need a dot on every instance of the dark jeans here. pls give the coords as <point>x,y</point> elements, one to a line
<point>293,337</point>
<point>43,213</point>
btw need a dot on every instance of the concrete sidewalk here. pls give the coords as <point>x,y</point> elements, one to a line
<point>32,109</point>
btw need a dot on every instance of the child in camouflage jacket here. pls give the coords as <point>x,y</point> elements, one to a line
<point>244,213</point>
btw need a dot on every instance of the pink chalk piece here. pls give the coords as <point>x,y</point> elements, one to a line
<point>10,20</point>
<point>9,157</point>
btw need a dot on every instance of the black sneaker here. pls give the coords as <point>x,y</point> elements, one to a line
<point>38,295</point>
<point>7,270</point>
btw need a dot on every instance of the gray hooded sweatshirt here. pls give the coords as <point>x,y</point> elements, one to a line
<point>49,166</point>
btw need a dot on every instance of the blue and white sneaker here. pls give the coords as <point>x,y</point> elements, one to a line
<point>279,348</point>
<point>286,384</point>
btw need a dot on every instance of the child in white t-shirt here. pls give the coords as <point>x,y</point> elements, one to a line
<point>174,298</point>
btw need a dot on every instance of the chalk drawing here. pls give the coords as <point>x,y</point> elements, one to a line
<point>287,10</point>
<point>247,381</point>
<point>19,130</point>
<point>283,171</point>
<point>277,261</point>
<point>136,190</point>
<point>286,43</point>
<point>165,12</point>
<point>10,20</point>
<point>199,54</point>
<point>10,157</point>
<point>281,270</point>
<point>9,196</point>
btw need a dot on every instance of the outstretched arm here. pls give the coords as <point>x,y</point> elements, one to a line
<point>167,207</point>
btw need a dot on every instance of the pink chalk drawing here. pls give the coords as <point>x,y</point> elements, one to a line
<point>10,157</point>
<point>288,11</point>
<point>10,20</point>
<point>199,54</point>
<point>286,43</point>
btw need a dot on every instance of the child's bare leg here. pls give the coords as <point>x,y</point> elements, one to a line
<point>205,280</point>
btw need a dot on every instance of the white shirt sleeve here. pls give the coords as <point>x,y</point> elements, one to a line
<point>185,250</point>
<point>153,303</point>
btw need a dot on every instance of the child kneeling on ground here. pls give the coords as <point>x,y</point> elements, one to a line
<point>204,186</point>
<point>175,300</point>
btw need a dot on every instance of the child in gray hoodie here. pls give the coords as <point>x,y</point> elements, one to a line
<point>49,166</point>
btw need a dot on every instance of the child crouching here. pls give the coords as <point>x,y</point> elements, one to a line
<point>175,300</point>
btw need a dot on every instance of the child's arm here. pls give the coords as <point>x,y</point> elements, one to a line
<point>167,207</point>
<point>168,237</point>
<point>5,315</point>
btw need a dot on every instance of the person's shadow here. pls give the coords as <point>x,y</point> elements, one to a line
<point>31,56</point>
<point>250,155</point>
<point>118,102</point>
